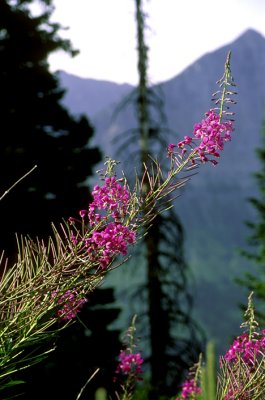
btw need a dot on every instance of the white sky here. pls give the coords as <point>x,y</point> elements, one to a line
<point>180,31</point>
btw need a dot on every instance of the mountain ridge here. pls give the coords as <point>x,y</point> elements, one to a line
<point>89,96</point>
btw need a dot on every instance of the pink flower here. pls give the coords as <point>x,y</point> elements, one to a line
<point>83,213</point>
<point>187,140</point>
<point>108,242</point>
<point>129,363</point>
<point>106,215</point>
<point>170,149</point>
<point>248,351</point>
<point>70,305</point>
<point>246,348</point>
<point>211,134</point>
<point>189,388</point>
<point>110,198</point>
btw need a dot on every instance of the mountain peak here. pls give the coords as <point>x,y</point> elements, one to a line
<point>251,35</point>
<point>252,32</point>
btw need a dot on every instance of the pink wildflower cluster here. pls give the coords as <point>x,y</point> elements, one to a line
<point>234,393</point>
<point>70,305</point>
<point>189,390</point>
<point>247,349</point>
<point>113,198</point>
<point>106,243</point>
<point>105,214</point>
<point>130,363</point>
<point>211,133</point>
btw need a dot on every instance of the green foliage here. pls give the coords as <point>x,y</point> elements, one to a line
<point>83,356</point>
<point>27,306</point>
<point>33,289</point>
<point>255,280</point>
<point>101,394</point>
<point>209,373</point>
<point>243,377</point>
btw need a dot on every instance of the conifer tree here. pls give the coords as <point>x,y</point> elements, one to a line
<point>255,279</point>
<point>173,337</point>
<point>36,129</point>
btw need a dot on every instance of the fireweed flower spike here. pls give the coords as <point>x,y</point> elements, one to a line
<point>129,368</point>
<point>106,216</point>
<point>130,363</point>
<point>246,348</point>
<point>209,136</point>
<point>190,389</point>
<point>69,305</point>
<point>242,369</point>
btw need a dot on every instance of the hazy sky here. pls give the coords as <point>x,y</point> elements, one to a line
<point>179,32</point>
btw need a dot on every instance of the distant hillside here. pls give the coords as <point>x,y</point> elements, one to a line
<point>215,204</point>
<point>90,96</point>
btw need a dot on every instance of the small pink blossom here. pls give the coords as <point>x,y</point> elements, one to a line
<point>106,215</point>
<point>70,305</point>
<point>104,244</point>
<point>82,213</point>
<point>129,363</point>
<point>189,390</point>
<point>170,149</point>
<point>211,134</point>
<point>111,198</point>
<point>246,348</point>
<point>187,140</point>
